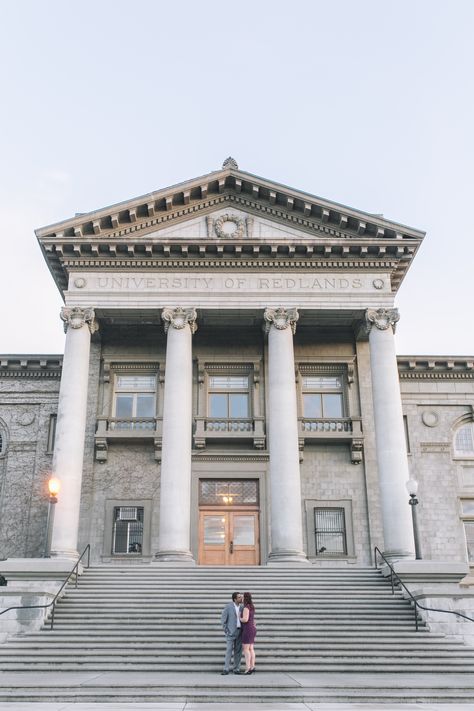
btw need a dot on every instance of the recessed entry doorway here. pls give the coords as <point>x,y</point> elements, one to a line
<point>229,522</point>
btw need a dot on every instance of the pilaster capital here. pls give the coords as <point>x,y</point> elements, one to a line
<point>76,317</point>
<point>381,319</point>
<point>280,318</point>
<point>178,318</point>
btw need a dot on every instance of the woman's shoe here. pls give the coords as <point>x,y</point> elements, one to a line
<point>249,671</point>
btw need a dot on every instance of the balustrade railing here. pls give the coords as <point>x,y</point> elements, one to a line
<point>126,424</point>
<point>252,428</point>
<point>229,425</point>
<point>323,425</point>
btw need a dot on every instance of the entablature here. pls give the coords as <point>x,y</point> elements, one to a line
<point>31,366</point>
<point>435,367</point>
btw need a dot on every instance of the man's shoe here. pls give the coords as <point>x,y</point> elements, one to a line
<point>237,671</point>
<point>223,673</point>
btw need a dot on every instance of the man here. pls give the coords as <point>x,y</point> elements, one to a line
<point>232,627</point>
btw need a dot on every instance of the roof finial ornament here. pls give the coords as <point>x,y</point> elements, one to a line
<point>230,163</point>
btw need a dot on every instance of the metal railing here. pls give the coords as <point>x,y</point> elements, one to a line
<point>53,602</point>
<point>395,577</point>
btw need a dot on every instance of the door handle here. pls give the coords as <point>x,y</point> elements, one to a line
<point>231,547</point>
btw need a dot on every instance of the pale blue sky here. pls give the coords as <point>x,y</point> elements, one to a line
<point>367,103</point>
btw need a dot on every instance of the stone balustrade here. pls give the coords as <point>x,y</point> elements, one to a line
<point>229,429</point>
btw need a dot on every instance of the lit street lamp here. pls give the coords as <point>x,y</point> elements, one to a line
<point>412,488</point>
<point>53,486</point>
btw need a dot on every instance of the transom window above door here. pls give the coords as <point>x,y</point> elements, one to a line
<point>134,399</point>
<point>224,492</point>
<point>228,396</point>
<point>322,396</point>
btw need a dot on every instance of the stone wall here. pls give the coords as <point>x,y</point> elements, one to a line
<point>26,402</point>
<point>433,409</point>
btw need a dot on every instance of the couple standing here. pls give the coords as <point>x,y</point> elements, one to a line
<point>238,622</point>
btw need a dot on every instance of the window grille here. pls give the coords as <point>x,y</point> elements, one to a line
<point>407,433</point>
<point>128,530</point>
<point>469,531</point>
<point>52,432</point>
<point>330,531</point>
<point>216,492</point>
<point>464,440</point>
<point>3,440</point>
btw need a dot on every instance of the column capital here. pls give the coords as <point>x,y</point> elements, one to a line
<point>76,317</point>
<point>280,318</point>
<point>178,318</point>
<point>381,319</point>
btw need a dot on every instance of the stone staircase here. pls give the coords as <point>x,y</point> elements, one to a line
<point>166,620</point>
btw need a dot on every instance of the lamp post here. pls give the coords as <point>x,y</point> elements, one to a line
<point>53,486</point>
<point>412,488</point>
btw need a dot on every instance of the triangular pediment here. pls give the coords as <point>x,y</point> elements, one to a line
<point>219,210</point>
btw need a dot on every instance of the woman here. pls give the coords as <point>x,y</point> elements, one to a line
<point>248,633</point>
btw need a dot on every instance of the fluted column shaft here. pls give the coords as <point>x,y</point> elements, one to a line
<point>285,487</point>
<point>175,489</point>
<point>70,429</point>
<point>390,435</point>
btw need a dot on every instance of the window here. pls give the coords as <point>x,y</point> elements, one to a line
<point>467,511</point>
<point>464,441</point>
<point>134,402</point>
<point>322,397</point>
<point>330,531</point>
<point>228,396</point>
<point>51,432</point>
<point>127,536</point>
<point>407,433</point>
<point>218,492</point>
<point>3,439</point>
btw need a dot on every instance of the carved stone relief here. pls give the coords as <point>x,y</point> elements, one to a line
<point>382,318</point>
<point>178,318</point>
<point>281,318</point>
<point>75,317</point>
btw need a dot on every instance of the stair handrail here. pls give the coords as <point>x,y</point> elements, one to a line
<point>395,575</point>
<point>53,602</point>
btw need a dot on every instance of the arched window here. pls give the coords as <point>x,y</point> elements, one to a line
<point>464,440</point>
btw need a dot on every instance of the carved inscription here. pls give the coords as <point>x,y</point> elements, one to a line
<point>229,283</point>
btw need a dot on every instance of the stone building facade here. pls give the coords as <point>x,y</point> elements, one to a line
<point>229,392</point>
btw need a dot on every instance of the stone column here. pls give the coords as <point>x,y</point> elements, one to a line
<point>285,487</point>
<point>392,459</point>
<point>70,428</point>
<point>175,490</point>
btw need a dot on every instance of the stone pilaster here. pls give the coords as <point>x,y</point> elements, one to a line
<point>285,487</point>
<point>392,459</point>
<point>175,490</point>
<point>68,456</point>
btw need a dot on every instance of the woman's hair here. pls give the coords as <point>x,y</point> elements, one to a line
<point>248,601</point>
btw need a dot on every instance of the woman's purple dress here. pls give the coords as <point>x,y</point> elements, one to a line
<point>249,631</point>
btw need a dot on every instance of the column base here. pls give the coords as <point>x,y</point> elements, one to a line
<point>66,554</point>
<point>287,557</point>
<point>181,557</point>
<point>395,555</point>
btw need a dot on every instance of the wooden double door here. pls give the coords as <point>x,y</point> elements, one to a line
<point>229,537</point>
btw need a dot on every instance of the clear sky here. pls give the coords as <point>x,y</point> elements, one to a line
<point>369,103</point>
